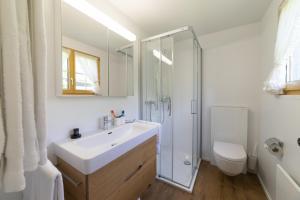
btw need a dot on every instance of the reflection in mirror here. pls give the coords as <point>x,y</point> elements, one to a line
<point>118,66</point>
<point>81,72</point>
<point>126,52</point>
<point>95,60</point>
<point>84,54</point>
<point>128,59</point>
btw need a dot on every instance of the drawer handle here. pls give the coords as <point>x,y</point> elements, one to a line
<point>134,172</point>
<point>68,178</point>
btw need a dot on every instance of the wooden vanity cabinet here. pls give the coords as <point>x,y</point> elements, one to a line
<point>125,178</point>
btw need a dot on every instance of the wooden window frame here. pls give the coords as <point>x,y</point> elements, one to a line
<point>292,87</point>
<point>72,74</point>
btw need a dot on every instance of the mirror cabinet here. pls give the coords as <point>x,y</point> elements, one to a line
<point>94,60</point>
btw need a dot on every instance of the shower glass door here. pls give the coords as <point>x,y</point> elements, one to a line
<point>165,56</point>
<point>184,109</point>
<point>170,97</point>
<point>157,100</point>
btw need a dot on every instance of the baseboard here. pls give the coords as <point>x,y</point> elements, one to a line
<point>204,158</point>
<point>264,187</point>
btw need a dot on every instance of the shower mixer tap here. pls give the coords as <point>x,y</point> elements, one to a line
<point>167,99</point>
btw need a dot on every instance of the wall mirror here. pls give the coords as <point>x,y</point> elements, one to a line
<point>94,60</point>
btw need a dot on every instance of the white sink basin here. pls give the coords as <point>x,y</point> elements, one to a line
<point>90,153</point>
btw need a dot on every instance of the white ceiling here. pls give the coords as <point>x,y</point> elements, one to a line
<point>206,16</point>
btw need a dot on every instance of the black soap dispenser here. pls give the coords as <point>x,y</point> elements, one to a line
<point>75,134</point>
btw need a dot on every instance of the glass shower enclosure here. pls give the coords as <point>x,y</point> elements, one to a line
<point>171,95</point>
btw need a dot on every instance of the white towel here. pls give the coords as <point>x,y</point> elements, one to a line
<point>44,184</point>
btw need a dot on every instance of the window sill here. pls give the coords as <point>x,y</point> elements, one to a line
<point>78,92</point>
<point>292,88</point>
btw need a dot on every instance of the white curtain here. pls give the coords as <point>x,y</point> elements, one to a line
<point>288,36</point>
<point>2,142</point>
<point>90,67</point>
<point>23,93</point>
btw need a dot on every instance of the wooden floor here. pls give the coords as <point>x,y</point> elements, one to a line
<point>211,184</point>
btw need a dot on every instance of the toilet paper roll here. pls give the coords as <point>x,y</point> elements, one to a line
<point>274,146</point>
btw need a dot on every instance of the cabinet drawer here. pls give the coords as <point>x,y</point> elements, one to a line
<point>108,180</point>
<point>137,183</point>
<point>74,181</point>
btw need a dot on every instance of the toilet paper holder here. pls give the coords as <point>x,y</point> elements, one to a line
<point>275,146</point>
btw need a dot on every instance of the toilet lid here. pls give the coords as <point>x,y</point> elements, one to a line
<point>229,151</point>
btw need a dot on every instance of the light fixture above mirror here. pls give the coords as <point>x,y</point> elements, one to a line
<point>97,15</point>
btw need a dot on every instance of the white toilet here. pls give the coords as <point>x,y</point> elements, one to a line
<point>229,139</point>
<point>230,158</point>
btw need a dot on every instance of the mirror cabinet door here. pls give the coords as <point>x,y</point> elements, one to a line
<point>118,64</point>
<point>94,60</point>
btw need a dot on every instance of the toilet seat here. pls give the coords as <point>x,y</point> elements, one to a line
<point>230,151</point>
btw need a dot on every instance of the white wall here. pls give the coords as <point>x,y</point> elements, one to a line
<point>231,76</point>
<point>279,115</point>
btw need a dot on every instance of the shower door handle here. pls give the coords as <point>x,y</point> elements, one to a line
<point>194,107</point>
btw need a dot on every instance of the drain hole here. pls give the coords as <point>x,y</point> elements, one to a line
<point>113,144</point>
